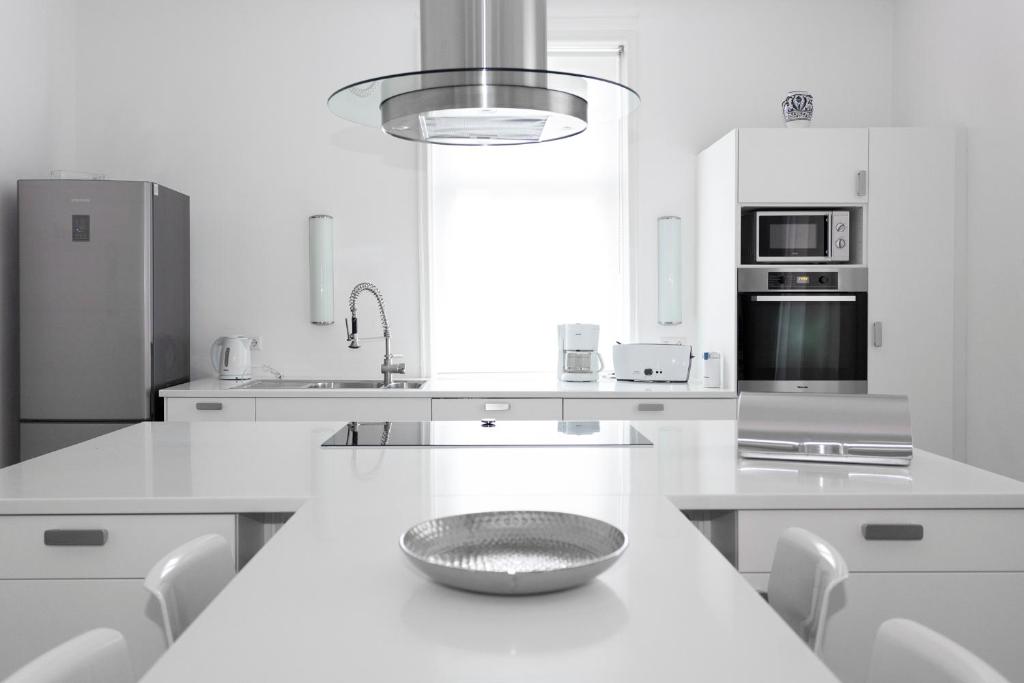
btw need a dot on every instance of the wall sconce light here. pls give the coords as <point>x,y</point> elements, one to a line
<point>670,270</point>
<point>321,269</point>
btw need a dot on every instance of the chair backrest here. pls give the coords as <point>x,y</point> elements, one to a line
<point>97,656</point>
<point>907,651</point>
<point>188,578</point>
<point>805,572</point>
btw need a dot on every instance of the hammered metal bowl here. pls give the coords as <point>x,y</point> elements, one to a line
<point>513,552</point>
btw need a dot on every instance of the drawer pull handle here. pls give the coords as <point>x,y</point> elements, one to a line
<point>496,406</point>
<point>651,407</point>
<point>75,537</point>
<point>893,532</point>
<point>210,406</point>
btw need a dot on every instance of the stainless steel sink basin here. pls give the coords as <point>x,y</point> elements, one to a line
<point>346,384</point>
<point>330,384</point>
<point>274,384</point>
<point>407,384</point>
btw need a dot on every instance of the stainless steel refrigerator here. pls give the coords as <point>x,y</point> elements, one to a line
<point>104,306</point>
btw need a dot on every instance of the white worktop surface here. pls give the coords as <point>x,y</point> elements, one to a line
<point>331,597</point>
<point>490,385</point>
<point>182,467</point>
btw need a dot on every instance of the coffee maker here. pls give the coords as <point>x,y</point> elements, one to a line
<point>578,359</point>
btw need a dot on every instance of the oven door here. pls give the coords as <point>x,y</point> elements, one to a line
<point>792,237</point>
<point>803,342</point>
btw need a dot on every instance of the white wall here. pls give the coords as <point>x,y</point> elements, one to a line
<point>958,63</point>
<point>225,101</point>
<point>37,78</point>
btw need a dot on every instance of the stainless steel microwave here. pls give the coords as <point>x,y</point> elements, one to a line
<point>803,236</point>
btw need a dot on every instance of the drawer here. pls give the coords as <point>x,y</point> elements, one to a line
<point>950,540</point>
<point>343,409</point>
<point>650,409</point>
<point>209,409</point>
<point>496,409</point>
<point>130,544</point>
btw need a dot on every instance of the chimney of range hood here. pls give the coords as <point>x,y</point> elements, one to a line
<point>497,34</point>
<point>484,81</point>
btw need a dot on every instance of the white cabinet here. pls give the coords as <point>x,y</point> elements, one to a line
<point>803,166</point>
<point>911,208</point>
<point>914,313</point>
<point>951,540</point>
<point>49,593</point>
<point>98,546</point>
<point>343,409</point>
<point>649,409</point>
<point>209,409</point>
<point>496,408</point>
<point>963,577</point>
<point>979,610</point>
<point>39,615</point>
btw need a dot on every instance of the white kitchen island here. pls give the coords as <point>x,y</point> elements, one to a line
<point>330,597</point>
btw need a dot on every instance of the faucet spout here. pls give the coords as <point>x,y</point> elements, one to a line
<point>388,367</point>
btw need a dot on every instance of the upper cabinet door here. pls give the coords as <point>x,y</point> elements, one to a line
<point>803,166</point>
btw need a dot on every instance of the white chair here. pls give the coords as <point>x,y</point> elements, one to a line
<point>805,571</point>
<point>97,656</point>
<point>187,579</point>
<point>907,651</point>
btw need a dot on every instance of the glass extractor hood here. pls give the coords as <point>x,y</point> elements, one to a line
<point>484,82</point>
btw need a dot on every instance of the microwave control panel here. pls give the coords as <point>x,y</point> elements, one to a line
<point>828,280</point>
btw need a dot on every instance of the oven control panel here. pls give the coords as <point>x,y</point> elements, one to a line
<point>827,280</point>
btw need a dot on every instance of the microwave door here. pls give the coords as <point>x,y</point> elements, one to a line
<point>792,237</point>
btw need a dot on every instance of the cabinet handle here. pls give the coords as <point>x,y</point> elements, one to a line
<point>75,537</point>
<point>651,407</point>
<point>876,335</point>
<point>862,183</point>
<point>892,532</point>
<point>210,406</point>
<point>496,406</point>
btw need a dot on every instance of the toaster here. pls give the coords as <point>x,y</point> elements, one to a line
<point>652,362</point>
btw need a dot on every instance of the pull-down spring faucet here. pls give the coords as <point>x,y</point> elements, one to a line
<point>388,367</point>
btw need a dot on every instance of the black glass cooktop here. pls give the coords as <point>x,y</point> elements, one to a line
<point>487,433</point>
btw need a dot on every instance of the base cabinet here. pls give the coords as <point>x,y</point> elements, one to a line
<point>38,615</point>
<point>649,409</point>
<point>49,593</point>
<point>496,408</point>
<point>964,578</point>
<point>979,610</point>
<point>343,409</point>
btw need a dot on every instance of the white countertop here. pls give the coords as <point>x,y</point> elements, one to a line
<point>182,467</point>
<point>496,385</point>
<point>331,595</point>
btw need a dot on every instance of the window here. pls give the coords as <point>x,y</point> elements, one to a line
<point>523,238</point>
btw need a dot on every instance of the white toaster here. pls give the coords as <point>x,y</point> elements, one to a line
<point>652,362</point>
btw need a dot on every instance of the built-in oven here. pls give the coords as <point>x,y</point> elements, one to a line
<point>818,236</point>
<point>803,330</point>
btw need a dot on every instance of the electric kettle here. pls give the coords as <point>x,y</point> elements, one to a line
<point>232,357</point>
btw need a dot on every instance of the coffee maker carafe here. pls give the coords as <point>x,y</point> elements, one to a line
<point>578,359</point>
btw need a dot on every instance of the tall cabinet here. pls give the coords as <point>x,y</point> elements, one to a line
<point>915,260</point>
<point>906,186</point>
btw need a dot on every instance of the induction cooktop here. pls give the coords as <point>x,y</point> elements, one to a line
<point>489,433</point>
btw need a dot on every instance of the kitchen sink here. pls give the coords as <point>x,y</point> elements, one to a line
<point>330,384</point>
